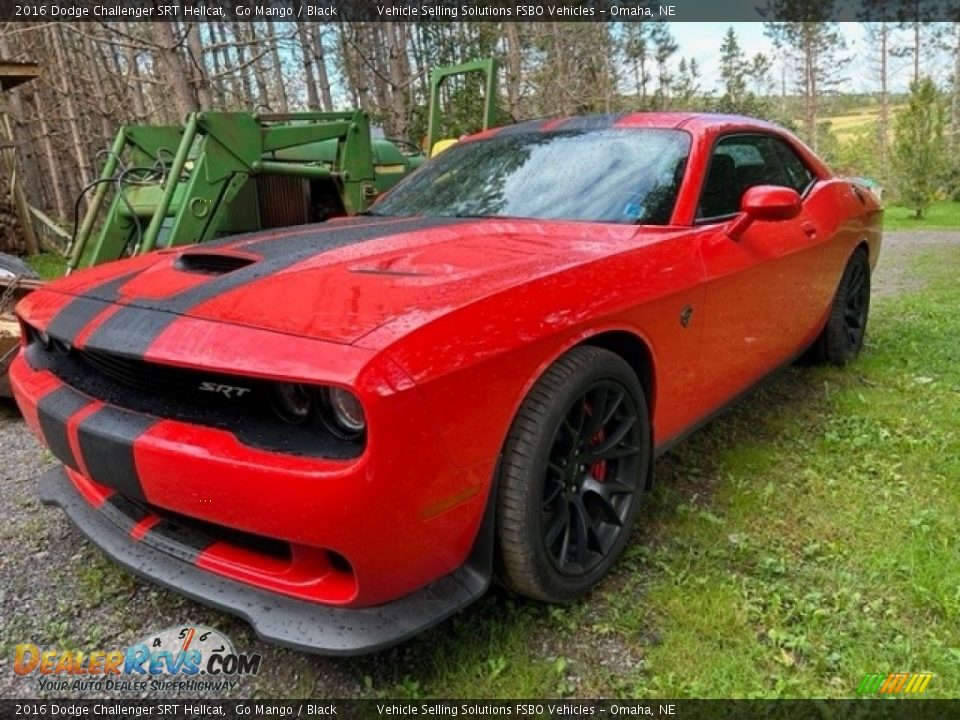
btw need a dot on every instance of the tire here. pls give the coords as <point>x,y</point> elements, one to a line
<point>570,479</point>
<point>12,266</point>
<point>842,337</point>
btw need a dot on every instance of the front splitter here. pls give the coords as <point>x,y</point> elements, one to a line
<point>297,624</point>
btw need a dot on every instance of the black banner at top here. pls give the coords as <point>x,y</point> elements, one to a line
<point>481,10</point>
<point>538,709</point>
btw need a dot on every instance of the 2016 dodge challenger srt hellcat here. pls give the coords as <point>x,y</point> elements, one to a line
<point>343,431</point>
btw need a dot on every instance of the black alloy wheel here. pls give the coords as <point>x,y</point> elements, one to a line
<point>571,476</point>
<point>591,478</point>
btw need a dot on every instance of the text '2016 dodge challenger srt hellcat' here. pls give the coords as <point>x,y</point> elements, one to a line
<point>342,431</point>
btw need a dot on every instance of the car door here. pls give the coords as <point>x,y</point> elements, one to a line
<point>758,309</point>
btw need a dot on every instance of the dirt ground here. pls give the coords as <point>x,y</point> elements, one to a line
<point>56,590</point>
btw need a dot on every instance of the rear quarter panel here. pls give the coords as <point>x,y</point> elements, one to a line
<point>848,219</point>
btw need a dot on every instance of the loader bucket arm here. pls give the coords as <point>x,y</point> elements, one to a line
<point>439,76</point>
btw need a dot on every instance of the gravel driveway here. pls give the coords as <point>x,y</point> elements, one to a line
<point>56,590</point>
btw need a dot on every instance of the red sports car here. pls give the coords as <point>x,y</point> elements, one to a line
<point>342,431</point>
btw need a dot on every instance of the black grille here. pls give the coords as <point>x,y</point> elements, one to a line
<point>197,397</point>
<point>179,383</point>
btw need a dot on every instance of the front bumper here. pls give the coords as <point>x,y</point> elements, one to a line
<point>359,532</point>
<point>276,618</point>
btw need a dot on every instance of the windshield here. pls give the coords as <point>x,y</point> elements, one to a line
<point>617,176</point>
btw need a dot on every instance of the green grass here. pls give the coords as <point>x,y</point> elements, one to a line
<point>48,265</point>
<point>800,541</point>
<point>942,215</point>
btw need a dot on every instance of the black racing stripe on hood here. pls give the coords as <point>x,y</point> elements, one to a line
<point>132,329</point>
<point>232,241</point>
<point>67,324</point>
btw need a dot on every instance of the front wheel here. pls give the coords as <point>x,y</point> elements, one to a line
<point>571,475</point>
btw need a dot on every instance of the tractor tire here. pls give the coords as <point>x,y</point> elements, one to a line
<point>572,469</point>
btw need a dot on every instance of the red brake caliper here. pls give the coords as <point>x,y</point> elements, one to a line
<point>599,468</point>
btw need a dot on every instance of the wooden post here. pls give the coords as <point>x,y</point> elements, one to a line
<point>11,75</point>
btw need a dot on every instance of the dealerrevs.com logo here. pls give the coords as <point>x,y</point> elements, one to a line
<point>192,658</point>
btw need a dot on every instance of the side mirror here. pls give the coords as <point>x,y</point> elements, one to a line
<point>769,203</point>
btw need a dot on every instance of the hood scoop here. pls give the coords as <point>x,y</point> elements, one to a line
<point>211,263</point>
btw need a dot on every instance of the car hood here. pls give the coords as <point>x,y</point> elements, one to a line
<point>341,280</point>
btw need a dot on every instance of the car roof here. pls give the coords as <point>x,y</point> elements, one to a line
<point>695,122</point>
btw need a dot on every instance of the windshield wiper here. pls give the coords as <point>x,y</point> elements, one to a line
<point>483,216</point>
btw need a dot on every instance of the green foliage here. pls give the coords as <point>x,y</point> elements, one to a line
<point>828,146</point>
<point>733,68</point>
<point>634,47</point>
<point>687,83</point>
<point>858,155</point>
<point>737,73</point>
<point>48,265</point>
<point>815,46</point>
<point>919,162</point>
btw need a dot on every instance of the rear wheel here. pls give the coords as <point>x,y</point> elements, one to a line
<point>571,474</point>
<point>842,337</point>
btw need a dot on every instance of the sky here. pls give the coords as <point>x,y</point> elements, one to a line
<point>701,40</point>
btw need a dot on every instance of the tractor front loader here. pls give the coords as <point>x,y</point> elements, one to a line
<point>223,173</point>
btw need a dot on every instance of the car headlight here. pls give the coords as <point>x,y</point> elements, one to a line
<point>344,413</point>
<point>339,410</point>
<point>293,403</point>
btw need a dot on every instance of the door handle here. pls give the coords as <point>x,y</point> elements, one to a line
<point>809,228</point>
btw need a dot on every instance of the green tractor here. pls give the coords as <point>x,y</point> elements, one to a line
<point>229,172</point>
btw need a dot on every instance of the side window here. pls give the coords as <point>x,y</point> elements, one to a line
<point>799,174</point>
<point>740,162</point>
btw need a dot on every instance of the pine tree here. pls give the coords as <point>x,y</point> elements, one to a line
<point>733,69</point>
<point>814,45</point>
<point>919,163</point>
